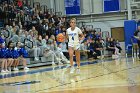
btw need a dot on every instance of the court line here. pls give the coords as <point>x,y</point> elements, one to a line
<point>114,72</point>
<point>14,74</point>
<point>121,76</point>
<point>84,79</point>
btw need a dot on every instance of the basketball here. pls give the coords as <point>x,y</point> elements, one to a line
<point>60,37</point>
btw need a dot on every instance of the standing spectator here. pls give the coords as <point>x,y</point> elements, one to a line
<point>137,36</point>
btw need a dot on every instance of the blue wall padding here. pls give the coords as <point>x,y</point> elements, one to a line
<point>130,27</point>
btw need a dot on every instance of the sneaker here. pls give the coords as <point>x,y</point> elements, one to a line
<point>26,68</point>
<point>16,69</point>
<point>53,63</point>
<point>60,63</point>
<point>72,70</point>
<point>67,62</point>
<point>36,59</point>
<point>78,71</point>
<point>3,71</point>
<point>9,69</point>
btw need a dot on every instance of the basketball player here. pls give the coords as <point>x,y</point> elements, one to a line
<point>75,37</point>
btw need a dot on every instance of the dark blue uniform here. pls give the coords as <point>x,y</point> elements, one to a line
<point>22,52</point>
<point>12,53</point>
<point>3,53</point>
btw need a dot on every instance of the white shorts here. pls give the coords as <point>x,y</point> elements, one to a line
<point>75,46</point>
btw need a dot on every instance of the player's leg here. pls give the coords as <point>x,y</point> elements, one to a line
<point>24,62</point>
<point>9,63</point>
<point>15,64</point>
<point>77,53</point>
<point>71,51</point>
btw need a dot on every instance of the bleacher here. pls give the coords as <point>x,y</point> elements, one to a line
<point>26,17</point>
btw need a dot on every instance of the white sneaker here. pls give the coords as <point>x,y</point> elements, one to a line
<point>3,71</point>
<point>72,70</point>
<point>67,62</point>
<point>78,71</point>
<point>36,59</point>
<point>60,63</point>
<point>9,69</point>
<point>26,68</point>
<point>53,63</point>
<point>16,69</point>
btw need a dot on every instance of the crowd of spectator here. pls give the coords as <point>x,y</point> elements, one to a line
<point>36,31</point>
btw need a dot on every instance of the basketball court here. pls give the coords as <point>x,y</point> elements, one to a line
<point>101,76</point>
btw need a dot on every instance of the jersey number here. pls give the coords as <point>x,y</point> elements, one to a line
<point>73,38</point>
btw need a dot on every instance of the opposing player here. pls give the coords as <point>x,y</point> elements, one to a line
<point>75,37</point>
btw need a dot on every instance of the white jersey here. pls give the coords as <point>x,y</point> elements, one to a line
<point>74,37</point>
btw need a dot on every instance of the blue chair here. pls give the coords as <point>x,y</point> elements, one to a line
<point>128,50</point>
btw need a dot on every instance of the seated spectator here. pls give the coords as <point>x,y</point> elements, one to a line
<point>15,39</point>
<point>84,47</point>
<point>10,55</point>
<point>35,32</point>
<point>49,52</point>
<point>60,54</point>
<point>40,44</point>
<point>118,46</point>
<point>45,27</point>
<point>98,47</point>
<point>45,41</point>
<point>91,50</point>
<point>110,46</point>
<point>21,58</point>
<point>3,57</point>
<point>34,51</point>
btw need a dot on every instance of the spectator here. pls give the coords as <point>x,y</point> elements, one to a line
<point>3,57</point>
<point>118,46</point>
<point>60,55</point>
<point>91,50</point>
<point>34,51</point>
<point>22,55</point>
<point>110,46</point>
<point>137,36</point>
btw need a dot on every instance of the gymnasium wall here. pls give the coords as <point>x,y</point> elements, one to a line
<point>87,6</point>
<point>49,3</point>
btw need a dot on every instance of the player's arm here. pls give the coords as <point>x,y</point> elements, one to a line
<point>81,36</point>
<point>66,37</point>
